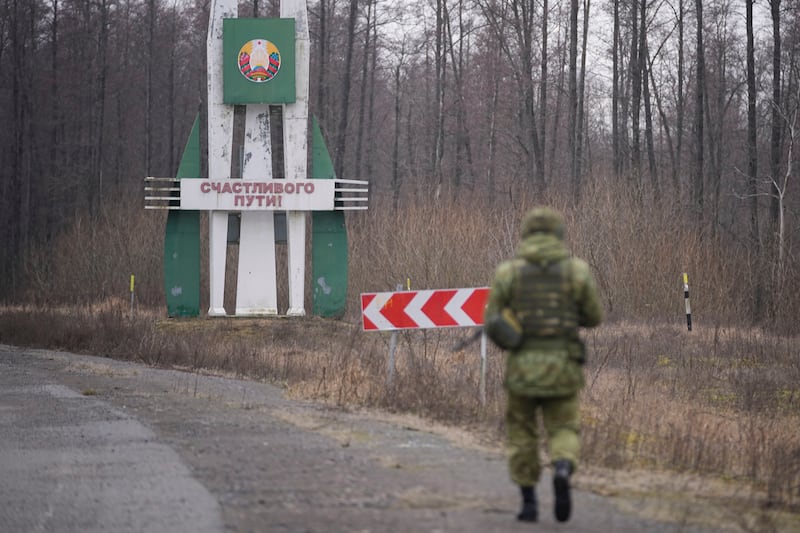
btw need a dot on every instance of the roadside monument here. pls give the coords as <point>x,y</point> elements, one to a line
<point>263,65</point>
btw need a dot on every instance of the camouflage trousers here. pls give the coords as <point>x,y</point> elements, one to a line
<point>561,422</point>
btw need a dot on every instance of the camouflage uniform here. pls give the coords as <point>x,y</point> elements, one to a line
<point>551,295</point>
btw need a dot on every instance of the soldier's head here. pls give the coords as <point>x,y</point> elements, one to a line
<point>543,220</point>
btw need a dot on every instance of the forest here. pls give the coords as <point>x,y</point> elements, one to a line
<point>665,131</point>
<point>684,112</point>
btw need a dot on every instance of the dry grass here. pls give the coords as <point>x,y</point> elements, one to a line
<point>722,400</point>
<point>656,398</point>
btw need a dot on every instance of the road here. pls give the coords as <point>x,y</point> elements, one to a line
<point>92,444</point>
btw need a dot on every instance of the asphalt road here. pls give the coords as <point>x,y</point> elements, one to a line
<point>91,444</point>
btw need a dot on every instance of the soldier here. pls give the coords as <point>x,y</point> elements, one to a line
<point>536,304</point>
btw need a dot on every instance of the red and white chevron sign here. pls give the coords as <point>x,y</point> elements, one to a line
<point>443,308</point>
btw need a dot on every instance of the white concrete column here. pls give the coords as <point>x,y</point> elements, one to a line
<point>217,248</point>
<point>295,146</point>
<point>220,145</point>
<point>256,287</point>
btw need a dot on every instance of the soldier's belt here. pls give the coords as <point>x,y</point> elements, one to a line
<point>545,343</point>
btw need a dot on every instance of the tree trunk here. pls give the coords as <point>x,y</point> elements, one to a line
<point>541,169</point>
<point>14,219</point>
<point>676,169</point>
<point>554,137</point>
<point>362,105</point>
<point>635,68</point>
<point>664,121</point>
<point>148,118</point>
<point>322,91</point>
<point>371,113</point>
<point>573,93</point>
<point>776,132</point>
<point>396,144</point>
<point>173,169</point>
<point>100,109</point>
<point>752,139</point>
<point>615,82</point>
<point>700,91</point>
<point>341,136</point>
<point>55,116</point>
<point>781,187</point>
<point>26,143</point>
<point>463,146</point>
<point>490,170</point>
<point>440,64</point>
<point>752,158</point>
<point>579,133</point>
<point>648,117</point>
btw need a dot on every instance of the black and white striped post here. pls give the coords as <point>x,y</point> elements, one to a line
<point>686,298</point>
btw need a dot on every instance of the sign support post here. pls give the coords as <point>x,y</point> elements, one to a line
<point>425,309</point>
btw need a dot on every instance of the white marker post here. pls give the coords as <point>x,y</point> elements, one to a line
<point>131,296</point>
<point>686,298</point>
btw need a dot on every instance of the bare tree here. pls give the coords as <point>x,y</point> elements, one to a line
<point>98,168</point>
<point>398,122</point>
<point>344,116</point>
<point>55,114</point>
<point>458,62</point>
<point>723,91</point>
<point>615,84</point>
<point>752,156</point>
<point>149,97</point>
<point>579,130</point>
<point>513,24</point>
<point>561,55</point>
<point>781,186</point>
<point>752,140</point>
<point>323,42</point>
<point>543,95</point>
<point>777,122</point>
<point>573,94</point>
<point>492,120</point>
<point>681,104</point>
<point>635,68</point>
<point>440,87</point>
<point>65,148</point>
<point>396,143</point>
<point>371,106</point>
<point>699,121</point>
<point>365,80</point>
<point>648,113</point>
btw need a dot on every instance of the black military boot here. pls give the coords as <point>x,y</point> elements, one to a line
<point>562,469</point>
<point>528,512</point>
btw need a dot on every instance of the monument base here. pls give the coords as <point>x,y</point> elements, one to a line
<point>255,312</point>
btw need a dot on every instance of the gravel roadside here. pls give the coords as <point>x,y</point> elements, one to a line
<point>275,464</point>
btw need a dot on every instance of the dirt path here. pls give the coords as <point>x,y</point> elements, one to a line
<point>273,464</point>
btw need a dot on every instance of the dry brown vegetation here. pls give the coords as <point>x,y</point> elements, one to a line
<point>722,400</point>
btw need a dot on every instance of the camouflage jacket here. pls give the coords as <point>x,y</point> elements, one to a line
<point>546,367</point>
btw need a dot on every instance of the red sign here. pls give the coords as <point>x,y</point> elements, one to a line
<point>382,311</point>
